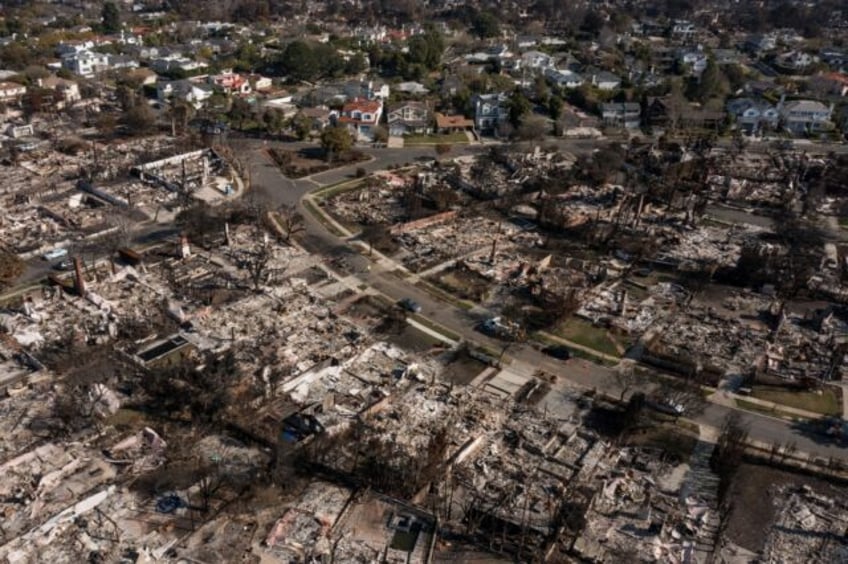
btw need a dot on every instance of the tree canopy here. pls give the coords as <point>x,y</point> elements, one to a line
<point>111,17</point>
<point>335,140</point>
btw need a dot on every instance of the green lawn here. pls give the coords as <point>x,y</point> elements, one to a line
<point>332,190</point>
<point>828,402</point>
<point>584,333</point>
<point>449,138</point>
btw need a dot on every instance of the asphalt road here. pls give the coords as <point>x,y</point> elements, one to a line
<point>272,185</point>
<point>38,268</point>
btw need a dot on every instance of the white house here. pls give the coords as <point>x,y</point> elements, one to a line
<point>185,90</point>
<point>86,63</point>
<point>361,117</point>
<point>604,80</point>
<point>490,111</point>
<point>752,116</point>
<point>805,116</point>
<point>537,60</point>
<point>564,78</point>
<point>694,60</point>
<point>626,114</point>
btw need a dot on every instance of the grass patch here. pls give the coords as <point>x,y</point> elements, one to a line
<point>433,326</point>
<point>584,333</point>
<point>544,340</point>
<point>827,402</point>
<point>331,190</point>
<point>444,296</point>
<point>843,222</point>
<point>317,214</point>
<point>449,138</point>
<point>757,408</point>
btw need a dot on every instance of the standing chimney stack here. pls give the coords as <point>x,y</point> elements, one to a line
<point>79,280</point>
<point>185,249</point>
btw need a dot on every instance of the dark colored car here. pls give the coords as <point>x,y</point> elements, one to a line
<point>557,351</point>
<point>409,305</point>
<point>66,264</point>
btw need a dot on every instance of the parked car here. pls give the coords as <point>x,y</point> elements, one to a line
<point>409,305</point>
<point>55,254</point>
<point>557,351</point>
<point>501,329</point>
<point>66,264</point>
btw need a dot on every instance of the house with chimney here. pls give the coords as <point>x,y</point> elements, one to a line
<point>361,117</point>
<point>409,117</point>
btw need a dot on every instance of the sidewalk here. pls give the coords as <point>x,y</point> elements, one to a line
<point>728,399</point>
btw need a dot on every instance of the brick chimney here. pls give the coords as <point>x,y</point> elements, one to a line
<point>79,280</point>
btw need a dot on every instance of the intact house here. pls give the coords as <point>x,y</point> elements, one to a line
<point>626,114</point>
<point>536,60</point>
<point>11,92</point>
<point>412,88</point>
<point>190,92</point>
<point>564,78</point>
<point>453,123</point>
<point>805,116</point>
<point>753,116</point>
<point>409,117</point>
<point>694,61</point>
<point>260,83</point>
<point>319,117</point>
<point>86,63</point>
<point>604,80</point>
<point>176,62</point>
<point>683,30</point>
<point>490,111</point>
<point>230,83</point>
<point>797,61</point>
<point>368,89</point>
<point>361,117</point>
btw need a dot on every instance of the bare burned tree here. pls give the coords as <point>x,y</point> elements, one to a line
<point>626,377</point>
<point>257,262</point>
<point>79,401</point>
<point>291,221</point>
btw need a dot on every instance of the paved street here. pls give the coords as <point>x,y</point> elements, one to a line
<point>280,190</point>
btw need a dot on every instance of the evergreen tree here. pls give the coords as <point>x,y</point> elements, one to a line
<point>111,17</point>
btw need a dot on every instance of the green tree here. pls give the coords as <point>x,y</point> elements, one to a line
<point>711,83</point>
<point>111,17</point>
<point>138,117</point>
<point>555,106</point>
<point>298,61</point>
<point>274,121</point>
<point>335,140</point>
<point>301,126</point>
<point>485,25</point>
<point>518,106</point>
<point>240,112</point>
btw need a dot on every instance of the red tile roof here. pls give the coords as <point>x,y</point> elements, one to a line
<point>362,105</point>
